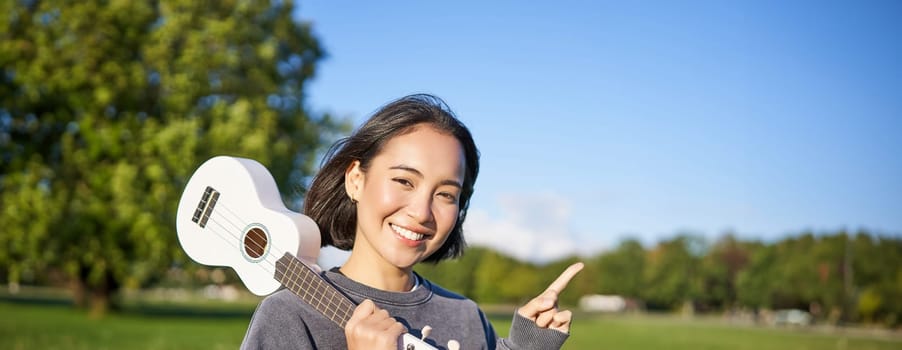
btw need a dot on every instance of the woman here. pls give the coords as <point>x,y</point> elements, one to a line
<point>396,193</point>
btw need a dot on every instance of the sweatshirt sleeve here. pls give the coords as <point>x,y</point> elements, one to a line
<point>525,335</point>
<point>271,327</point>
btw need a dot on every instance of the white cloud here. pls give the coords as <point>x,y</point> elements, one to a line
<point>535,227</point>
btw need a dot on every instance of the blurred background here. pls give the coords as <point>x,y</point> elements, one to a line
<point>729,171</point>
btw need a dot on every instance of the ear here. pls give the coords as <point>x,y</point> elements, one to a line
<point>354,180</point>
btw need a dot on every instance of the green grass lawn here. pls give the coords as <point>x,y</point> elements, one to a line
<point>32,326</point>
<point>25,326</point>
<point>671,332</point>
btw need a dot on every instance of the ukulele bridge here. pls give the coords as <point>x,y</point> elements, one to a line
<point>205,206</point>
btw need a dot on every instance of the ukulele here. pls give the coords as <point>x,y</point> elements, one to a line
<point>231,214</point>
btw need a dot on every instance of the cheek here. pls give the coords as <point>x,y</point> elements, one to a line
<point>387,197</point>
<point>383,201</point>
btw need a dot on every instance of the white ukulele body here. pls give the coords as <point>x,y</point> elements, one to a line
<point>246,225</point>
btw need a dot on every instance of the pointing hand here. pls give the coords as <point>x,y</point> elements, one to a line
<point>543,309</point>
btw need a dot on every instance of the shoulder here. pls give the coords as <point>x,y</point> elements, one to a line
<point>284,308</point>
<point>282,301</point>
<point>284,321</point>
<point>281,307</point>
<point>276,320</point>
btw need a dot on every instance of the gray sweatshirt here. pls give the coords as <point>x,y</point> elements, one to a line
<point>284,321</point>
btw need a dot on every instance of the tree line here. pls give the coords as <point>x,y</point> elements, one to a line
<point>838,277</point>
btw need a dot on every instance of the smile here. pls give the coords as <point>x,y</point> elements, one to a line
<point>408,234</point>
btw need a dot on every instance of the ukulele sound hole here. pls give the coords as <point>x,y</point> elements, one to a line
<point>255,242</point>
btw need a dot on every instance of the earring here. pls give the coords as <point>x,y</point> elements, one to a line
<point>353,200</point>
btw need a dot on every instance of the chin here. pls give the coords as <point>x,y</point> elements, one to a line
<point>407,261</point>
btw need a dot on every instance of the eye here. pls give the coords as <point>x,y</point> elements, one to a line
<point>451,197</point>
<point>404,182</point>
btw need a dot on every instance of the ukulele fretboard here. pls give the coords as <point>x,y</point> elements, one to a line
<point>310,287</point>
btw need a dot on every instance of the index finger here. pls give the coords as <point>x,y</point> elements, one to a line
<point>561,282</point>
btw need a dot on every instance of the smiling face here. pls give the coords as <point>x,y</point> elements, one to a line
<point>408,198</point>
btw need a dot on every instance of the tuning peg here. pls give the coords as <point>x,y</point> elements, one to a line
<point>426,331</point>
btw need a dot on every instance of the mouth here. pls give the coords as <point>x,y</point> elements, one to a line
<point>407,234</point>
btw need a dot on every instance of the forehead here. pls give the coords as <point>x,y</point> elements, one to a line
<point>426,149</point>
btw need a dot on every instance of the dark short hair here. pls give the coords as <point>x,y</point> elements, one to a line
<point>327,203</point>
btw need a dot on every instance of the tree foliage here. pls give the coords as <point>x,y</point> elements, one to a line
<point>719,270</point>
<point>671,273</point>
<point>621,270</point>
<point>106,107</point>
<point>837,277</point>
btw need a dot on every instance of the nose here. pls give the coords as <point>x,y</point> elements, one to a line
<point>420,208</point>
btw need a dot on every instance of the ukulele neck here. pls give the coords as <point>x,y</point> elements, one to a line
<point>313,289</point>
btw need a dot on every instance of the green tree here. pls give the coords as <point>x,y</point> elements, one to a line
<point>493,271</point>
<point>832,265</point>
<point>458,275</point>
<point>521,284</point>
<point>621,270</point>
<point>754,284</point>
<point>877,278</point>
<point>832,275</point>
<point>718,273</point>
<point>670,272</point>
<point>107,107</point>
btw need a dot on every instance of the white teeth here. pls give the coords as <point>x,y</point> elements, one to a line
<point>413,236</point>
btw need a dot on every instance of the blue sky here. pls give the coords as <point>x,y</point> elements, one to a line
<point>604,120</point>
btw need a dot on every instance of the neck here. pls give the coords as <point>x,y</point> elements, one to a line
<point>379,276</point>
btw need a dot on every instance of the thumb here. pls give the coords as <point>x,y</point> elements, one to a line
<point>544,302</point>
<point>366,308</point>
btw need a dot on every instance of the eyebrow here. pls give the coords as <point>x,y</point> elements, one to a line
<point>420,174</point>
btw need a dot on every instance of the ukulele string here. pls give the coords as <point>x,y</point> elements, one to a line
<point>275,253</point>
<point>231,236</point>
<point>262,245</point>
<point>336,311</point>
